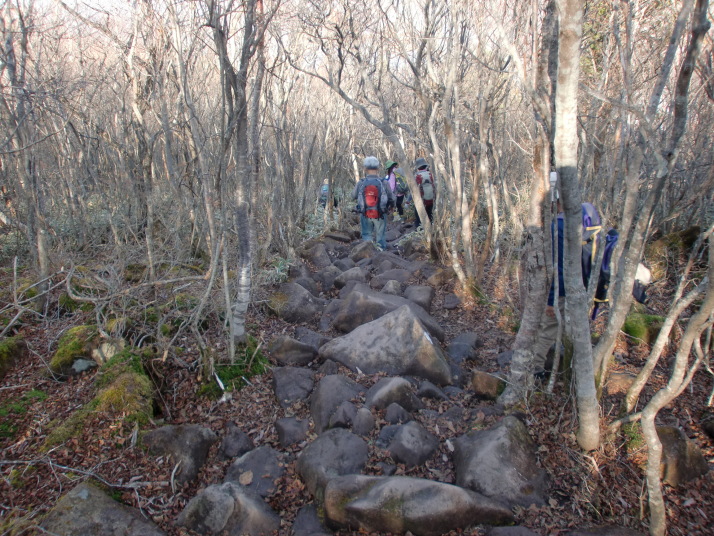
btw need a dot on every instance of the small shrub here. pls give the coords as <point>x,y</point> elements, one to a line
<point>634,439</point>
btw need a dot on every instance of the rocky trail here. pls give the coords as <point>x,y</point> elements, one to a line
<point>379,415</point>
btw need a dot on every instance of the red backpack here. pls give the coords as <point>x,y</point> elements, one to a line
<point>372,196</point>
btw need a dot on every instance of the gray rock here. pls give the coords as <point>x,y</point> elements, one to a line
<point>291,430</point>
<point>329,394</point>
<point>412,444</point>
<point>339,236</point>
<point>292,384</point>
<point>235,443</point>
<point>297,270</point>
<point>682,460</point>
<point>463,347</point>
<point>363,423</point>
<point>187,444</point>
<point>345,291</point>
<point>504,358</point>
<point>708,427</point>
<point>364,263</point>
<point>422,295</point>
<point>619,382</point>
<point>357,274</point>
<point>344,415</point>
<point>363,250</point>
<point>327,277</point>
<point>429,390</point>
<point>88,511</point>
<point>329,367</point>
<point>399,504</point>
<point>257,470</point>
<point>344,264</point>
<point>288,351</point>
<point>388,390</point>
<point>307,523</point>
<point>313,338</point>
<point>386,434</point>
<point>441,277</point>
<point>397,261</point>
<point>393,287</point>
<point>383,266</point>
<point>82,365</point>
<point>605,530</point>
<point>294,303</point>
<point>397,274</point>
<point>397,343</point>
<point>317,255</point>
<point>329,314</point>
<point>392,234</point>
<point>363,305</point>
<point>451,301</point>
<point>336,452</point>
<point>308,283</point>
<point>510,531</point>
<point>396,414</point>
<point>501,463</point>
<point>231,509</point>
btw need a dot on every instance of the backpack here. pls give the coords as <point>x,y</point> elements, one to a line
<point>402,187</point>
<point>323,194</point>
<point>426,186</point>
<point>592,224</point>
<point>603,280</point>
<point>372,198</point>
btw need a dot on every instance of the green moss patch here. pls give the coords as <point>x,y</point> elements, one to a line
<point>14,409</point>
<point>250,361</point>
<point>75,344</point>
<point>643,326</point>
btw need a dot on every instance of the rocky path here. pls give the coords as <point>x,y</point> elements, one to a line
<point>388,429</point>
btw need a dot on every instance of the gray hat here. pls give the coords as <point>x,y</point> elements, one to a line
<point>371,162</point>
<point>421,162</point>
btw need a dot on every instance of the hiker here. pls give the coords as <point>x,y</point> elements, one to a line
<point>374,199</point>
<point>398,184</point>
<point>425,181</point>
<point>324,191</point>
<point>548,330</point>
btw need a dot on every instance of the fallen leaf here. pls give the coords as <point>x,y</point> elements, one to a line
<point>246,478</point>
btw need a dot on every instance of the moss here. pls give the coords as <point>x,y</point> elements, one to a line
<point>125,361</point>
<point>643,326</point>
<point>75,344</point>
<point>67,304</point>
<point>119,325</point>
<point>15,407</point>
<point>135,273</point>
<point>62,431</point>
<point>12,350</point>
<point>25,290</point>
<point>250,361</point>
<point>129,394</point>
<point>277,302</point>
<point>183,302</point>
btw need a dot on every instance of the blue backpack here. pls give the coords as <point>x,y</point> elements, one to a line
<point>592,225</point>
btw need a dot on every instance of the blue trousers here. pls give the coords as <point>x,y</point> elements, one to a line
<point>374,230</point>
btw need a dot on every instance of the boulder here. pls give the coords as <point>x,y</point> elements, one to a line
<point>397,262</point>
<point>618,383</point>
<point>429,390</point>
<point>510,531</point>
<point>308,336</point>
<point>345,291</point>
<point>329,314</point>
<point>363,305</point>
<point>422,295</point>
<point>395,288</point>
<point>398,274</point>
<point>288,351</point>
<point>451,301</point>
<point>235,443</point>
<point>291,430</point>
<point>682,460</point>
<point>329,394</point>
<point>308,283</point>
<point>307,523</point>
<point>335,453</point>
<point>317,255</point>
<point>463,347</point>
<point>187,444</point>
<point>229,509</point>
<point>292,384</point>
<point>398,504</point>
<point>363,250</point>
<point>501,463</point>
<point>88,511</point>
<point>357,274</point>
<point>363,423</point>
<point>326,277</point>
<point>388,390</point>
<point>412,445</point>
<point>339,236</point>
<point>396,414</point>
<point>344,415</point>
<point>441,277</point>
<point>344,264</point>
<point>294,303</point>
<point>397,344</point>
<point>486,385</point>
<point>257,470</point>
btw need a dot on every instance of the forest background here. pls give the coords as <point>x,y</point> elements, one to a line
<point>184,143</point>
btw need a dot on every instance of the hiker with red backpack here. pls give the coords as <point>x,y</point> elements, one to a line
<point>374,199</point>
<point>427,190</point>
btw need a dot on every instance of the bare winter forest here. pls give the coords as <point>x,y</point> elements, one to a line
<point>158,152</point>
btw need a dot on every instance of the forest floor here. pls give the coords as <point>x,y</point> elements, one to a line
<point>603,487</point>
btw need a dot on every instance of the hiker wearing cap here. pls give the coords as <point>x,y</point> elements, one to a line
<point>427,190</point>
<point>398,184</point>
<point>374,199</point>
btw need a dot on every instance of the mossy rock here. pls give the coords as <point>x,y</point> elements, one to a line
<point>669,250</point>
<point>135,273</point>
<point>277,302</point>
<point>644,327</point>
<point>77,343</point>
<point>129,394</point>
<point>128,360</point>
<point>12,350</point>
